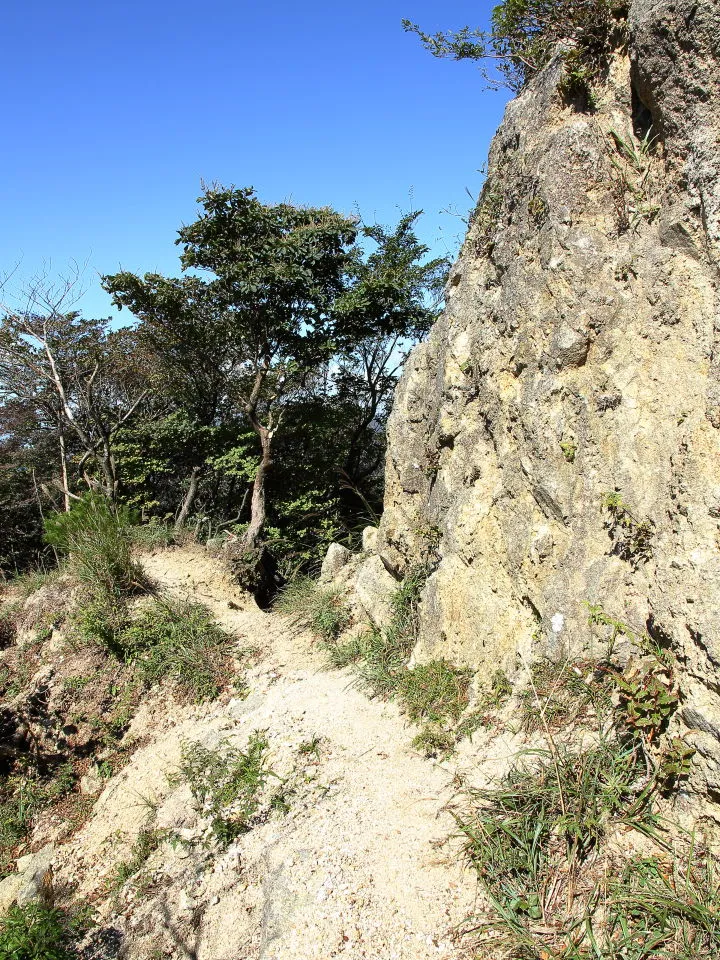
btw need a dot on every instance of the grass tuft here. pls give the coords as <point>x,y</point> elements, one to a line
<point>434,691</point>
<point>321,609</point>
<point>180,641</point>
<point>97,538</point>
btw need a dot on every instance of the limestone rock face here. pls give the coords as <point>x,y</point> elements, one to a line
<point>578,357</point>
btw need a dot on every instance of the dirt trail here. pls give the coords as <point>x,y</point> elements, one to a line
<point>356,869</point>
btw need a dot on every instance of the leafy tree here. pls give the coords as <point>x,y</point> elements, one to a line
<point>524,34</point>
<point>26,470</point>
<point>392,300</point>
<point>262,320</point>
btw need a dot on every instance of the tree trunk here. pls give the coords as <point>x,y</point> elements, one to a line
<point>64,471</point>
<point>257,504</point>
<point>189,498</point>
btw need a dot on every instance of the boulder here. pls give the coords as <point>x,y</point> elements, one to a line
<point>374,587</point>
<point>335,559</point>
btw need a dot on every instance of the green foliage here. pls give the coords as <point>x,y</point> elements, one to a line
<point>322,609</point>
<point>22,797</point>
<point>434,741</point>
<point>577,80</point>
<point>385,652</point>
<point>673,764</point>
<point>344,654</point>
<point>226,783</point>
<point>150,536</point>
<point>36,932</point>
<point>178,641</point>
<point>96,536</point>
<point>660,909</point>
<point>632,538</point>
<point>164,639</point>
<point>569,450</point>
<point>434,691</point>
<point>94,620</point>
<point>528,837</point>
<point>639,638</point>
<point>636,189</point>
<point>311,746</point>
<point>524,35</point>
<point>648,695</point>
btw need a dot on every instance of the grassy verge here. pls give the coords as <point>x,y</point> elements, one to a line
<point>569,846</point>
<point>321,609</point>
<point>22,797</point>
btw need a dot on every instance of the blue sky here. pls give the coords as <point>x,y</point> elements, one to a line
<point>114,112</point>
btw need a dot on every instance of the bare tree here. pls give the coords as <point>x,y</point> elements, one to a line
<point>73,374</point>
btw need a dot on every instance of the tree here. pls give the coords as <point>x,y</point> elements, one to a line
<point>79,378</point>
<point>262,320</point>
<point>524,34</point>
<point>391,301</point>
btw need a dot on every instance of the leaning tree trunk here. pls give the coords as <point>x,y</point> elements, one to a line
<point>189,499</point>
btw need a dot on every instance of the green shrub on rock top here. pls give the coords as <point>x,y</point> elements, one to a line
<point>524,35</point>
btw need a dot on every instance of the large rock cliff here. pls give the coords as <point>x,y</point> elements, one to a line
<point>556,440</point>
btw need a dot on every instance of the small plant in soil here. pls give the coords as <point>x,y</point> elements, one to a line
<point>226,783</point>
<point>148,841</point>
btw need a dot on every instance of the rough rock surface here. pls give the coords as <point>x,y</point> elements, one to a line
<point>578,356</point>
<point>335,559</point>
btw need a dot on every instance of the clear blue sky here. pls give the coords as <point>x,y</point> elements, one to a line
<point>113,112</point>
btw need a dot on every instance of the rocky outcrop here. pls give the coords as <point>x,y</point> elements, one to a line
<point>556,440</point>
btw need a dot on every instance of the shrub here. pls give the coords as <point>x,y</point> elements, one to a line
<point>97,538</point>
<point>525,33</point>
<point>35,932</point>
